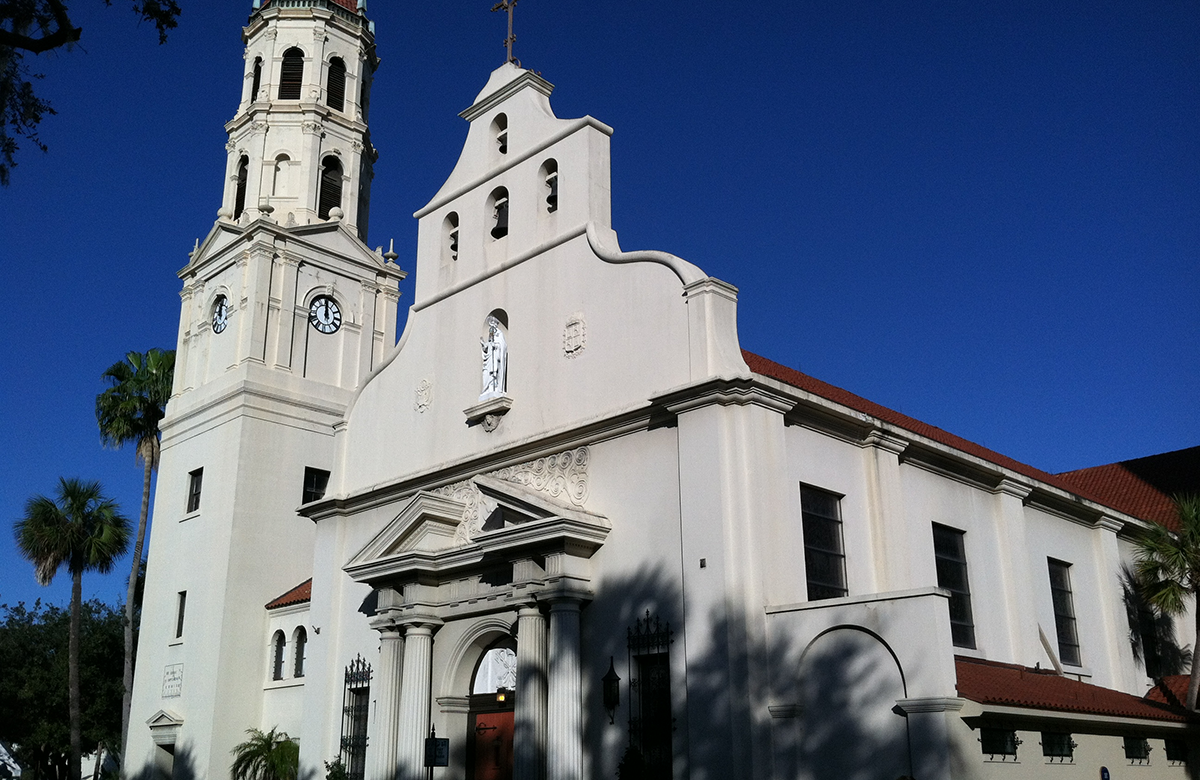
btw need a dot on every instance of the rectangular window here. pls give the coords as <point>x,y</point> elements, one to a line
<point>1177,750</point>
<point>1058,747</point>
<point>181,604</point>
<point>195,478</point>
<point>951,559</point>
<point>1137,749</point>
<point>824,556</point>
<point>1064,612</point>
<point>356,709</point>
<point>315,482</point>
<point>650,722</point>
<point>999,744</point>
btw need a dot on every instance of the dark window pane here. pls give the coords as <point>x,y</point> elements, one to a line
<point>824,558</point>
<point>1064,612</point>
<point>951,564</point>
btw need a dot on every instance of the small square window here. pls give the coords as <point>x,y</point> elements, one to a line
<point>315,482</point>
<point>1177,750</point>
<point>999,744</point>
<point>1058,747</point>
<point>195,479</point>
<point>1137,750</point>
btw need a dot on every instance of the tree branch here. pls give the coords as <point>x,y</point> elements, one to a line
<point>65,34</point>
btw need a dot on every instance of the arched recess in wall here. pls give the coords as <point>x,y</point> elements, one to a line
<point>239,194</point>
<point>849,683</point>
<point>291,74</point>
<point>496,668</point>
<point>335,85</point>
<point>495,355</point>
<point>281,176</point>
<point>497,206</point>
<point>278,650</point>
<point>329,196</point>
<point>300,647</point>
<point>469,649</point>
<point>450,238</point>
<point>549,177</point>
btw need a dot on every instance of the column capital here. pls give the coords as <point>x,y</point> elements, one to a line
<point>420,625</point>
<point>882,440</point>
<point>1010,487</point>
<point>1107,523</point>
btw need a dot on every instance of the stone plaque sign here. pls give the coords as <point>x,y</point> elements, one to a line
<point>172,681</point>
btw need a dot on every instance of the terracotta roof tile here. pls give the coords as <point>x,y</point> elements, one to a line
<point>300,594</point>
<point>1144,486</point>
<point>1170,690</point>
<point>1083,488</point>
<point>992,682</point>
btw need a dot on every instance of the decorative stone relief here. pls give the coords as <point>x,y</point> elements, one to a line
<point>424,396</point>
<point>562,475</point>
<point>574,336</point>
<point>230,145</point>
<point>258,126</point>
<point>271,33</point>
<point>312,127</point>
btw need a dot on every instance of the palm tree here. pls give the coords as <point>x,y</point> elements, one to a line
<point>1168,567</point>
<point>270,755</point>
<point>129,412</point>
<point>83,530</point>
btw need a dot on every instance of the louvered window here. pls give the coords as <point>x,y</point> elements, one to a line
<point>291,75</point>
<point>335,96</point>
<point>330,195</point>
<point>239,197</point>
<point>257,79</point>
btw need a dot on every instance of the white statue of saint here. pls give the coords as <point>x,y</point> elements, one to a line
<point>495,361</point>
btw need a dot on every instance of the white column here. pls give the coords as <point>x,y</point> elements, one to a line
<point>387,703</point>
<point>414,701</point>
<point>564,743</point>
<point>530,735</point>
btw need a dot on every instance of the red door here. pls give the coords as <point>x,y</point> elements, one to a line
<point>492,743</point>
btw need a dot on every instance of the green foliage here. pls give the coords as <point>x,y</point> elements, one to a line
<point>266,755</point>
<point>33,676</point>
<point>134,403</point>
<point>336,770</point>
<point>35,26</point>
<point>80,529</point>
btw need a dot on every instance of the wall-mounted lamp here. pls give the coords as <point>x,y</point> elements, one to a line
<point>612,691</point>
<point>502,694</point>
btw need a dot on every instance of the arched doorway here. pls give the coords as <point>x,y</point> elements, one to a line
<point>491,719</point>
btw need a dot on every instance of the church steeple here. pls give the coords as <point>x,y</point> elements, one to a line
<point>299,148</point>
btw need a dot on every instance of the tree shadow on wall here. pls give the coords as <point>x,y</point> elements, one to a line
<point>824,709</point>
<point>1151,633</point>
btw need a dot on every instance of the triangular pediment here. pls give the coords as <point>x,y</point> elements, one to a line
<point>164,719</point>
<point>525,505</point>
<point>427,524</point>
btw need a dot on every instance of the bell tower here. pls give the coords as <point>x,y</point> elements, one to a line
<point>284,312</point>
<point>299,148</point>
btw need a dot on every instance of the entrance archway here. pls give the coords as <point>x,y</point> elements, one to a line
<point>491,719</point>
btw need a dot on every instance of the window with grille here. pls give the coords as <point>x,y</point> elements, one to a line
<point>335,88</point>
<point>195,481</point>
<point>315,483</point>
<point>330,195</point>
<point>1058,747</point>
<point>356,706</point>
<point>999,744</point>
<point>1177,750</point>
<point>291,75</point>
<point>1064,612</point>
<point>824,556</point>
<point>300,641</point>
<point>1137,750</point>
<point>950,556</point>
<point>650,722</point>
<point>278,646</point>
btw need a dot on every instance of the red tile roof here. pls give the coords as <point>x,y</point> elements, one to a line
<point>1084,488</point>
<point>1144,486</point>
<point>1170,690</point>
<point>301,594</point>
<point>992,682</point>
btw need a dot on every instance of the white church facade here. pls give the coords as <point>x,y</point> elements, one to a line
<point>578,535</point>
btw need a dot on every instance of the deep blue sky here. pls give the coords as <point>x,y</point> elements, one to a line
<point>985,215</point>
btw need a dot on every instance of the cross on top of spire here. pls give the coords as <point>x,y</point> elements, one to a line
<point>508,5</point>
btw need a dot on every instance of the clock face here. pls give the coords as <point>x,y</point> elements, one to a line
<point>220,314</point>
<point>324,314</point>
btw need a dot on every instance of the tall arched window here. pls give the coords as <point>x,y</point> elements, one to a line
<point>499,208</point>
<point>335,89</point>
<point>291,74</point>
<point>257,79</point>
<point>330,195</point>
<point>239,195</point>
<point>278,644</point>
<point>300,640</point>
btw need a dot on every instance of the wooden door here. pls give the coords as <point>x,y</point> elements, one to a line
<point>491,742</point>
